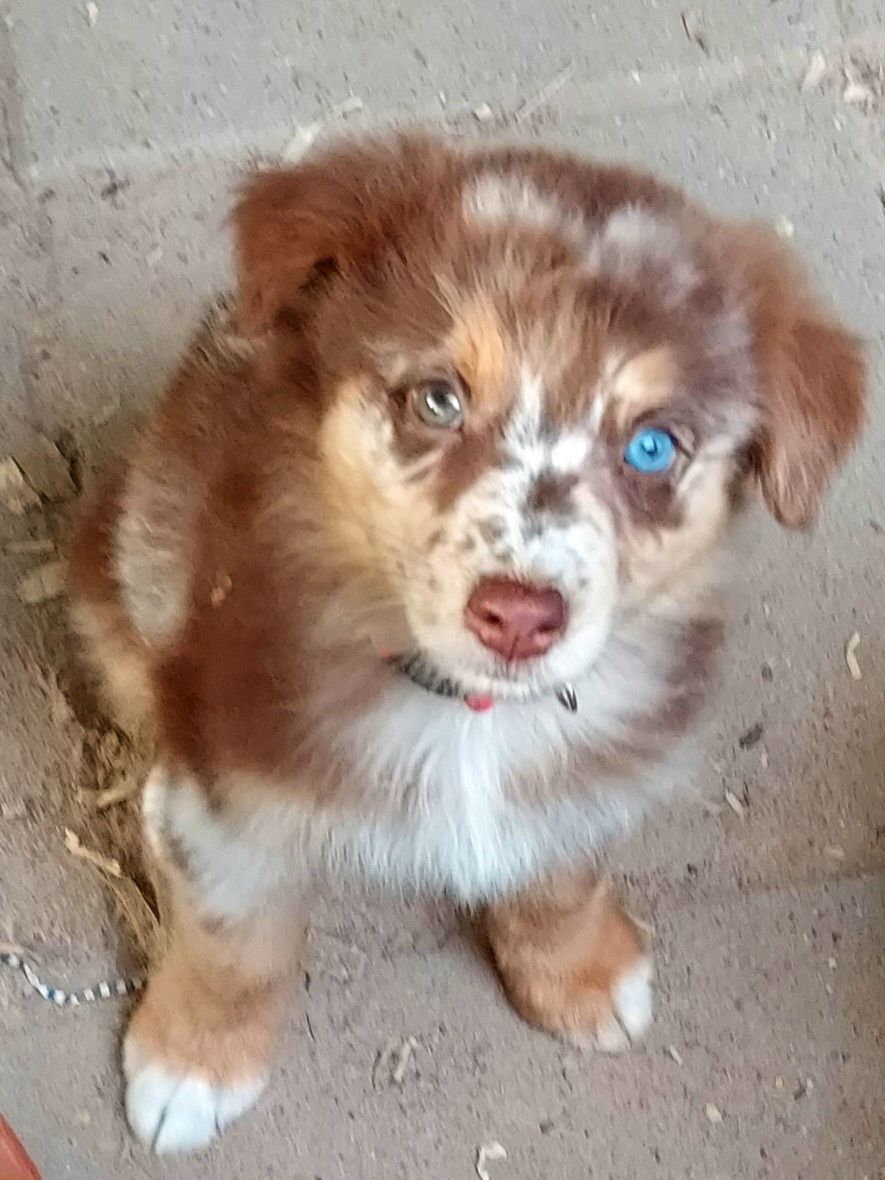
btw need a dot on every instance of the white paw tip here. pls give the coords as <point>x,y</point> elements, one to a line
<point>632,998</point>
<point>611,1038</point>
<point>170,1112</point>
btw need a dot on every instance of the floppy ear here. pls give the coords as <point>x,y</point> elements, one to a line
<point>290,225</point>
<point>811,378</point>
<point>294,225</point>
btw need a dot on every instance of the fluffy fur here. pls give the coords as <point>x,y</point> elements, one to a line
<point>286,516</point>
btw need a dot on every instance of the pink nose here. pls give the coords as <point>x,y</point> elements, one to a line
<point>515,620</point>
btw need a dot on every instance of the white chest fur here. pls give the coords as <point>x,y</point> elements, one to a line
<point>438,809</point>
<point>416,791</point>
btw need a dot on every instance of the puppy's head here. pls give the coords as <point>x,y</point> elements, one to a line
<point>538,387</point>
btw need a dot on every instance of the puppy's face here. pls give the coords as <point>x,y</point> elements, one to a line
<point>557,447</point>
<point>541,387</point>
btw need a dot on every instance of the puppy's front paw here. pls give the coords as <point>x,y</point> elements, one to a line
<point>171,1109</point>
<point>624,1011</point>
<point>607,1011</point>
<point>573,963</point>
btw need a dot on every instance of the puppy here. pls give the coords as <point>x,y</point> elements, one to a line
<point>412,570</point>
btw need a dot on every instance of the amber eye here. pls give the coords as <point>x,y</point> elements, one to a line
<point>438,404</point>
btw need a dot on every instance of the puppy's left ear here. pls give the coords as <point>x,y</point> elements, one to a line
<point>811,375</point>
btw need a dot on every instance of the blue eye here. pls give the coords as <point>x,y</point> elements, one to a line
<point>651,451</point>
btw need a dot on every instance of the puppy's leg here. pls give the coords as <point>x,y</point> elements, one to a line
<point>198,1048</point>
<point>573,963</point>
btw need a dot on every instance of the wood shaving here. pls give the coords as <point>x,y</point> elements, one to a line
<point>136,913</point>
<point>39,547</point>
<point>405,1054</point>
<point>392,1062</point>
<point>816,71</point>
<point>784,228</point>
<point>713,1113</point>
<point>763,758</point>
<point>483,113</point>
<point>12,948</point>
<point>114,795</point>
<point>735,804</point>
<point>488,1153</point>
<point>533,104</point>
<point>18,809</point>
<point>851,656</point>
<point>305,136</point>
<point>139,917</point>
<point>91,12</point>
<point>47,470</point>
<point>42,584</point>
<point>641,924</point>
<point>106,864</point>
<point>301,142</point>
<point>856,94</point>
<point>116,763</point>
<point>16,494</point>
<point>864,82</point>
<point>350,106</point>
<point>674,1054</point>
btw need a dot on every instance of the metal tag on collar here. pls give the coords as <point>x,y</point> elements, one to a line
<point>568,698</point>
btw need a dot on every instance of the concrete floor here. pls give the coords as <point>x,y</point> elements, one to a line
<point>125,125</point>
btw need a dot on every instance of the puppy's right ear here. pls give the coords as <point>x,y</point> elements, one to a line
<point>290,225</point>
<point>293,225</point>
